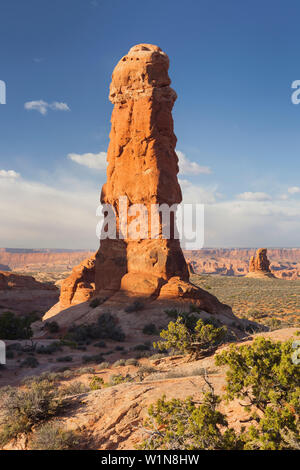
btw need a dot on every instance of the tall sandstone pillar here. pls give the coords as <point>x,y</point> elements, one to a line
<point>143,166</point>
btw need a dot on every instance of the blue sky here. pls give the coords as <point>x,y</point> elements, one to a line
<point>232,65</point>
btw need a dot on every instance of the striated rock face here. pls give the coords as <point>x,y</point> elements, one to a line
<point>80,285</point>
<point>260,264</point>
<point>142,165</point>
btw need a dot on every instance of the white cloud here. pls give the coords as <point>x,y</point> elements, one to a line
<point>244,222</point>
<point>42,106</point>
<point>9,174</point>
<point>186,167</point>
<point>257,196</point>
<point>95,161</point>
<point>294,190</point>
<point>61,213</point>
<point>35,214</point>
<point>193,193</point>
<point>59,106</point>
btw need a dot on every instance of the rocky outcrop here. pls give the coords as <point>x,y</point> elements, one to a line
<point>24,294</point>
<point>80,285</point>
<point>259,265</point>
<point>10,280</point>
<point>142,169</point>
<point>143,166</point>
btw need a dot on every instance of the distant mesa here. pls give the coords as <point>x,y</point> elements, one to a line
<point>259,265</point>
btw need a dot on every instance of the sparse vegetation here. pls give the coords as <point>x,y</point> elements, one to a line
<point>51,436</point>
<point>136,306</point>
<point>120,362</point>
<point>23,409</point>
<point>266,383</point>
<point>15,327</point>
<point>150,329</point>
<point>190,335</point>
<point>117,379</point>
<point>266,380</point>
<point>92,358</point>
<point>181,424</point>
<point>260,300</point>
<point>105,328</point>
<point>30,361</point>
<point>96,382</point>
<point>51,326</point>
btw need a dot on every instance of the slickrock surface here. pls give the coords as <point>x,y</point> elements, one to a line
<point>259,265</point>
<point>113,418</point>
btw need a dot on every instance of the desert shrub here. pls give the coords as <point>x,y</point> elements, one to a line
<point>15,327</point>
<point>100,344</point>
<point>109,328</point>
<point>96,382</point>
<point>92,358</point>
<point>190,335</point>
<point>48,348</point>
<point>52,326</point>
<point>75,388</point>
<point>142,354</point>
<point>119,348</point>
<point>10,354</point>
<point>30,361</point>
<point>14,347</point>
<point>180,424</point>
<point>150,329</point>
<point>141,347</point>
<point>172,374</point>
<point>158,356</point>
<point>143,371</point>
<point>85,370</point>
<point>136,306</point>
<point>105,328</point>
<point>50,436</point>
<point>117,379</point>
<point>120,362</point>
<point>64,359</point>
<point>23,409</point>
<point>108,353</point>
<point>104,365</point>
<point>97,301</point>
<point>131,362</point>
<point>263,376</point>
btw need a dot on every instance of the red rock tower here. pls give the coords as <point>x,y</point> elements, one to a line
<point>143,166</point>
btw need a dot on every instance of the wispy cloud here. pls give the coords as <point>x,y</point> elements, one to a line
<point>95,161</point>
<point>42,106</point>
<point>257,196</point>
<point>187,167</point>
<point>294,190</point>
<point>9,174</point>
